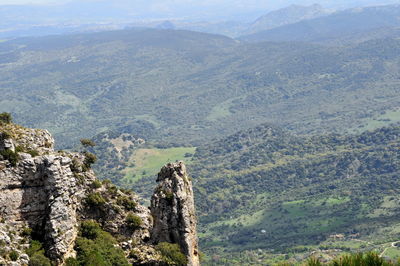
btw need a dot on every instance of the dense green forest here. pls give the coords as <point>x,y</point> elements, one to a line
<point>266,189</point>
<point>181,87</point>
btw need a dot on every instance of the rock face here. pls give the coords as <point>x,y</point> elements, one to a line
<point>172,208</point>
<point>41,192</point>
<point>48,193</point>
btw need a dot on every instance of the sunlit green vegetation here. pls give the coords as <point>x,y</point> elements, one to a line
<point>97,247</point>
<point>148,162</point>
<point>264,189</point>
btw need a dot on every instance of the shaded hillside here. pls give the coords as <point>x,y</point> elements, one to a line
<point>186,87</point>
<point>335,26</point>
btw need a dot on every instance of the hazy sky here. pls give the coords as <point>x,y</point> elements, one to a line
<point>238,3</point>
<point>195,9</point>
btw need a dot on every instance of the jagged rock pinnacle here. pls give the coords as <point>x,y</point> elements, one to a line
<point>172,207</point>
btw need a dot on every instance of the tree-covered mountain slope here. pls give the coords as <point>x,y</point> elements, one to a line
<point>331,28</point>
<point>266,189</point>
<point>187,88</point>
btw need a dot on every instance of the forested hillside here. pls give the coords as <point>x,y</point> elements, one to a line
<point>185,87</point>
<point>266,189</point>
<point>266,195</point>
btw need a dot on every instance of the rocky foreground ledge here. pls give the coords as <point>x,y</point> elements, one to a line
<point>47,195</point>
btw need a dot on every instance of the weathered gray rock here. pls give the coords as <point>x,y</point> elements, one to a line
<point>173,211</point>
<point>47,191</point>
<point>41,193</point>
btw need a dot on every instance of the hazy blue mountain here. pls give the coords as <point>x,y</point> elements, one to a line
<point>335,26</point>
<point>284,16</point>
<point>230,18</point>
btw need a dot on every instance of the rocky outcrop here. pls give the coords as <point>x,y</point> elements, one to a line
<point>172,208</point>
<point>50,193</point>
<point>40,192</point>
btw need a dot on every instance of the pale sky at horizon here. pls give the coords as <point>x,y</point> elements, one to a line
<point>181,6</point>
<point>272,2</point>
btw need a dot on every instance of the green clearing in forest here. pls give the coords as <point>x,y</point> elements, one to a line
<point>148,162</point>
<point>383,120</point>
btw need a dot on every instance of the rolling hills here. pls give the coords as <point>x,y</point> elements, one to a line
<point>320,176</point>
<point>185,88</point>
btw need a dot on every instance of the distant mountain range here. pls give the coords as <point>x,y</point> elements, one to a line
<point>293,23</point>
<point>348,24</point>
<point>284,16</point>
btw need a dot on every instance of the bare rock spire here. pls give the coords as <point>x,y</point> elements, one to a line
<point>172,208</point>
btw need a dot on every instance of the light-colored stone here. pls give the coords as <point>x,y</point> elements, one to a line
<point>172,207</point>
<point>48,192</point>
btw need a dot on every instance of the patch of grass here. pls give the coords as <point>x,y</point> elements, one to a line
<point>392,252</point>
<point>382,120</point>
<point>149,161</point>
<point>220,111</point>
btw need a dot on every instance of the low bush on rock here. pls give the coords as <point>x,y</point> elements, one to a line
<point>97,247</point>
<point>172,254</point>
<point>133,221</point>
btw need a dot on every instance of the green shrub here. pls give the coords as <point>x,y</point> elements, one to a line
<point>169,195</point>
<point>99,249</point>
<point>360,259</point>
<point>95,199</point>
<point>5,135</point>
<point>13,255</point>
<point>129,204</point>
<point>3,252</point>
<point>133,221</point>
<point>39,259</point>
<point>96,184</point>
<point>172,253</point>
<point>26,232</point>
<point>75,165</point>
<point>313,262</point>
<point>33,153</point>
<point>90,159</point>
<point>19,149</point>
<point>87,143</point>
<point>36,254</point>
<point>11,156</point>
<point>5,118</point>
<point>71,262</point>
<point>34,247</point>
<point>90,229</point>
<point>106,182</point>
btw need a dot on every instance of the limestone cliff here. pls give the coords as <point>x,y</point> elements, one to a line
<point>172,207</point>
<point>47,195</point>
